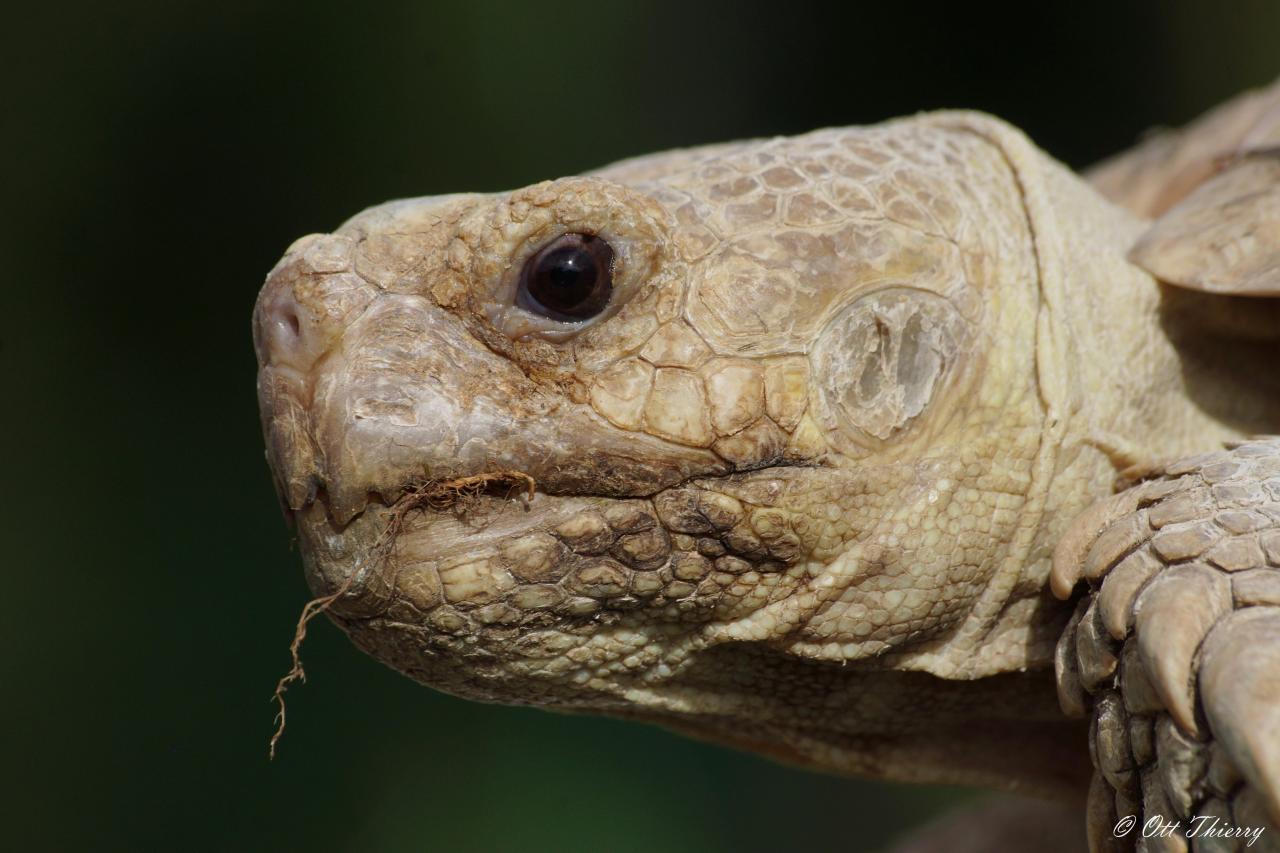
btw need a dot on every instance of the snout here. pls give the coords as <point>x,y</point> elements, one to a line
<point>372,377</point>
<point>306,301</point>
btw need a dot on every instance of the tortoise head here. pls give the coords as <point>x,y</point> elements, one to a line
<point>784,404</point>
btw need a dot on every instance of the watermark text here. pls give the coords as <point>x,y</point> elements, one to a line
<point>1198,826</point>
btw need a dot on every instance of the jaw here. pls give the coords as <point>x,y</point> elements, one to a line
<point>621,606</point>
<point>524,597</point>
<point>481,602</point>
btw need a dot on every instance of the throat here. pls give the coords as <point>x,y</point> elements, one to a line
<point>1005,731</point>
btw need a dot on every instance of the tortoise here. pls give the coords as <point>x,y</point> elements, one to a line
<point>899,451</point>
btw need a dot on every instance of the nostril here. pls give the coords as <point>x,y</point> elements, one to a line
<point>286,325</point>
<point>304,301</point>
<point>290,319</point>
<point>286,335</point>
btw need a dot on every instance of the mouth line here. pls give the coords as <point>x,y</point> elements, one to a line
<point>433,495</point>
<point>504,484</point>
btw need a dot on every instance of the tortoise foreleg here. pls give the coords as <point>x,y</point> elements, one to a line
<point>1175,653</point>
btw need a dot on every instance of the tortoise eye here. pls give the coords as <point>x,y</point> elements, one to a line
<point>569,280</point>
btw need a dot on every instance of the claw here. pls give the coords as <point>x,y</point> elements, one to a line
<point>1121,538</point>
<point>1069,555</point>
<point>1095,651</point>
<point>1182,765</point>
<point>1112,753</point>
<point>1121,587</point>
<point>1066,667</point>
<point>1174,613</point>
<point>1240,689</point>
<point>1140,695</point>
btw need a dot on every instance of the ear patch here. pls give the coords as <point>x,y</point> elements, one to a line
<point>880,362</point>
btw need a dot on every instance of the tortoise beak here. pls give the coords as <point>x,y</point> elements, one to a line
<point>298,319</point>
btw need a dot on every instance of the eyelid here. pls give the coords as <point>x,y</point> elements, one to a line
<point>517,322</point>
<point>634,225</point>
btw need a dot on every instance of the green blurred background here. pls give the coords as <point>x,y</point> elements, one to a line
<point>159,156</point>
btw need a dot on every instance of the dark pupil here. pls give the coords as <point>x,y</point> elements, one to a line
<point>570,279</point>
<point>564,278</point>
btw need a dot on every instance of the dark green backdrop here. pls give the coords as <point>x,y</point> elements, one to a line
<point>158,156</point>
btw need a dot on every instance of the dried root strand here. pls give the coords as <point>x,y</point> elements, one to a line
<point>433,494</point>
<point>311,610</point>
<point>443,494</point>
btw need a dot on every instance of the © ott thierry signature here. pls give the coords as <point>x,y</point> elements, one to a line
<point>1198,826</point>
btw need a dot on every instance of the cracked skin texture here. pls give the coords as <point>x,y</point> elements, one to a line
<point>798,486</point>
